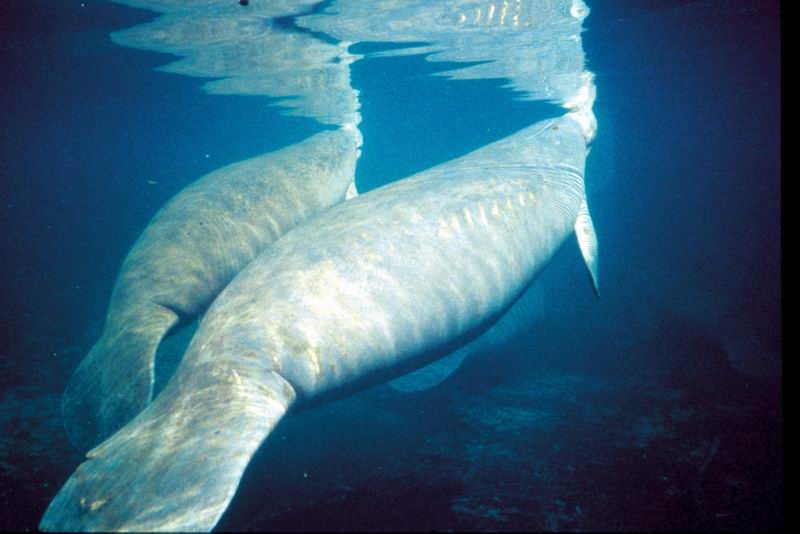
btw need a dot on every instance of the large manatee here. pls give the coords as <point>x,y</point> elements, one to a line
<point>365,292</point>
<point>187,254</point>
<point>526,313</point>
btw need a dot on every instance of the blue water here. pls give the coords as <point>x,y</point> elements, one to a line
<point>656,406</point>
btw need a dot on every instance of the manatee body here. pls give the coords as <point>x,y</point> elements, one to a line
<point>365,292</point>
<point>525,314</point>
<point>187,254</point>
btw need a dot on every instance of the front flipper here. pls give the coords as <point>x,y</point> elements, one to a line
<point>587,241</point>
<point>430,375</point>
<point>352,192</point>
<point>177,465</point>
<point>526,313</point>
<point>115,380</point>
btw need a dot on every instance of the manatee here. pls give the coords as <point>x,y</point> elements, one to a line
<point>187,254</point>
<point>526,313</point>
<point>367,291</point>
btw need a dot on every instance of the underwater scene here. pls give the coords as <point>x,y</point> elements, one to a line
<point>451,265</point>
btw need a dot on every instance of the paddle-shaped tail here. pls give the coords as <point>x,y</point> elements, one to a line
<point>177,465</point>
<point>115,380</point>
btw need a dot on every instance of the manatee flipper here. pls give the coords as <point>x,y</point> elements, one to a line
<point>352,192</point>
<point>587,242</point>
<point>177,465</point>
<point>431,375</point>
<point>115,380</point>
<point>527,312</point>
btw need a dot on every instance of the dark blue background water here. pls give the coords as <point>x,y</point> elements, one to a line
<point>656,406</point>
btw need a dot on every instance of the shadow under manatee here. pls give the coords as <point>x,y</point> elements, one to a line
<point>711,435</point>
<point>685,356</point>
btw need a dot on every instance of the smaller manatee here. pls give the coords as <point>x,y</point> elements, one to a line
<point>187,254</point>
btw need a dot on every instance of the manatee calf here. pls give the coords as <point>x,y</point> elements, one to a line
<point>365,292</point>
<point>187,254</point>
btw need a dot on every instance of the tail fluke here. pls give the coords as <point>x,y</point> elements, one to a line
<point>177,465</point>
<point>115,380</point>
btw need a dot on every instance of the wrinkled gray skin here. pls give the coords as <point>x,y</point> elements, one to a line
<point>525,314</point>
<point>187,254</point>
<point>369,290</point>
